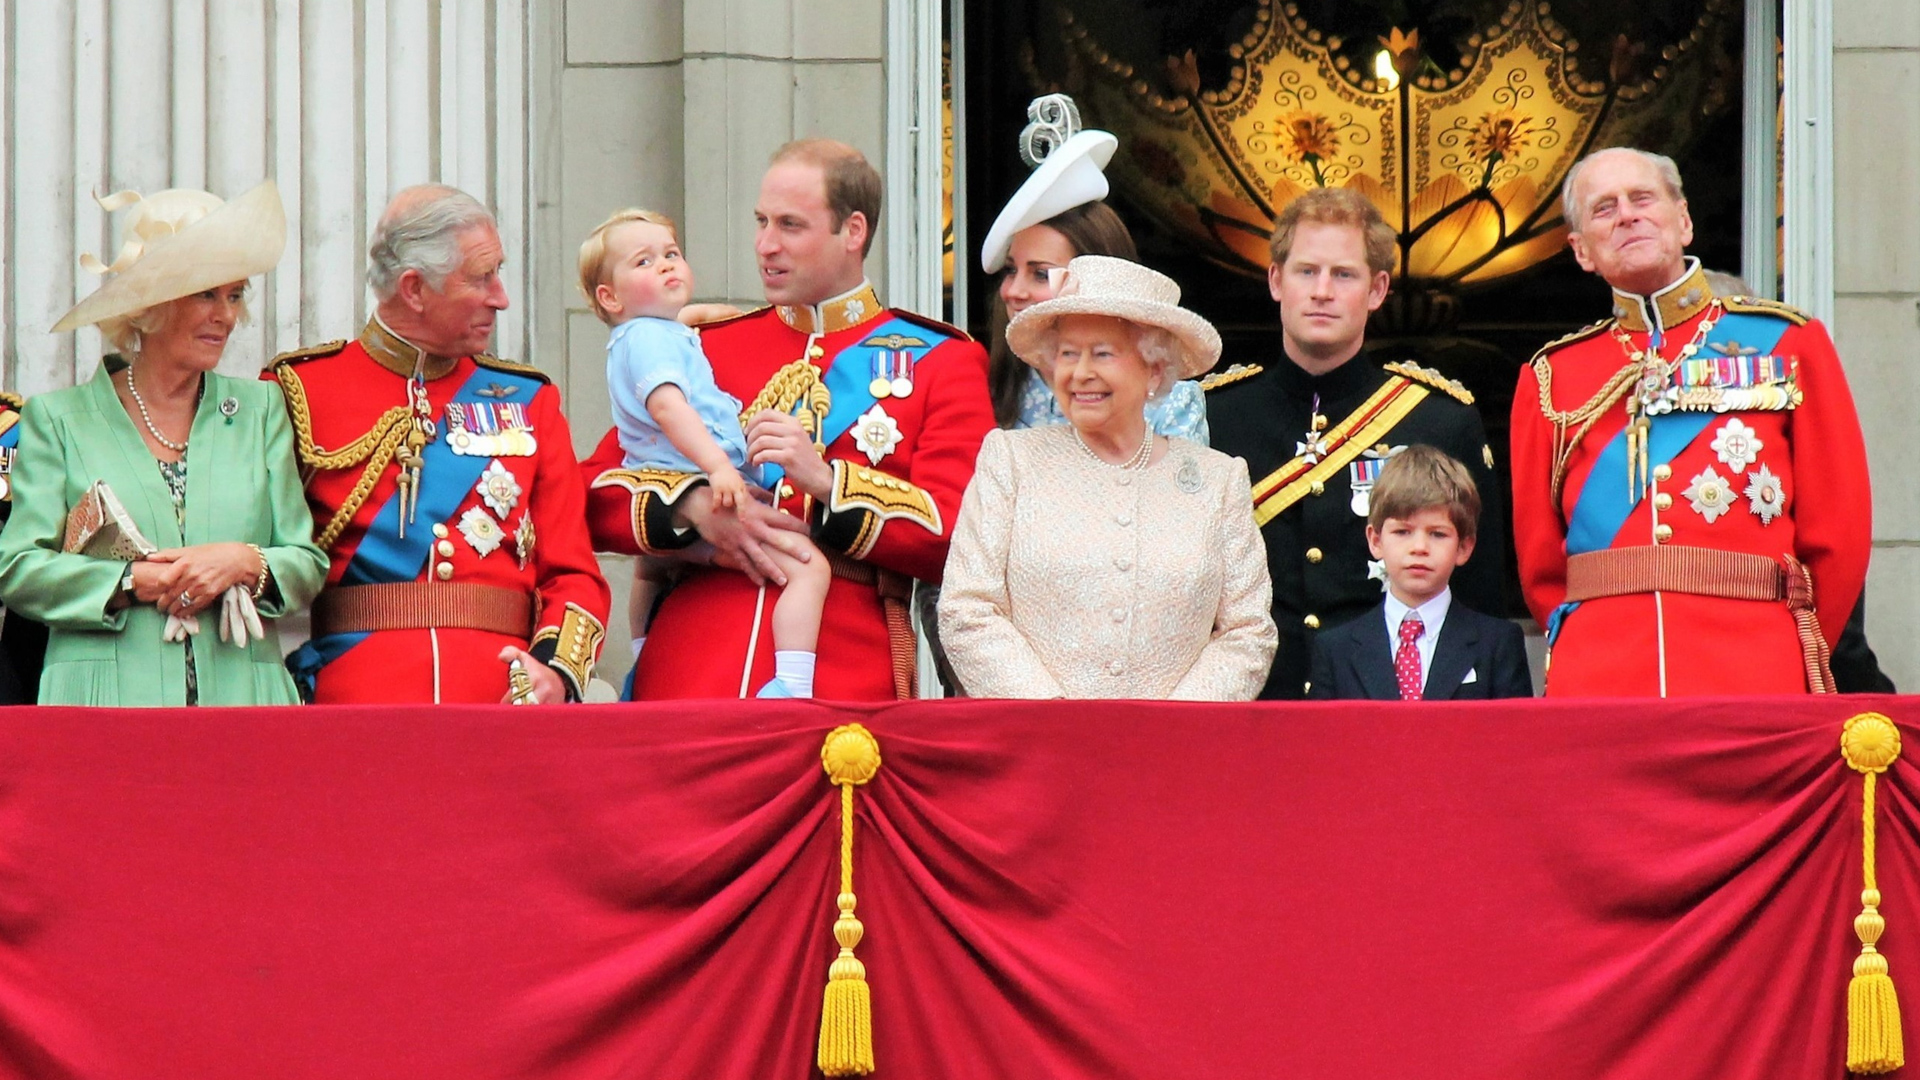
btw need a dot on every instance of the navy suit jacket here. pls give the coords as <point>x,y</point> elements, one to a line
<point>1355,660</point>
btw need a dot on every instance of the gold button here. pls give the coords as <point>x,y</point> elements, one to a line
<point>440,531</point>
<point>1317,488</point>
<point>815,352</point>
<point>1663,472</point>
<point>444,571</point>
<point>1319,422</point>
<point>1662,533</point>
<point>1314,555</point>
<point>1312,621</point>
<point>445,548</point>
<point>1663,501</point>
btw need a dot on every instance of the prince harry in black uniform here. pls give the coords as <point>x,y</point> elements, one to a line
<point>1316,426</point>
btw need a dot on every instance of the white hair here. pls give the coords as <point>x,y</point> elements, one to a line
<point>1157,347</point>
<point>422,233</point>
<point>1662,164</point>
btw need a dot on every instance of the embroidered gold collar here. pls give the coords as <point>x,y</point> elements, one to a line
<point>843,312</point>
<point>400,356</point>
<point>1672,306</point>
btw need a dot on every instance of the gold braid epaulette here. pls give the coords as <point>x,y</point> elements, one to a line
<point>376,448</point>
<point>1584,416</point>
<point>791,385</point>
<point>12,400</point>
<point>1758,305</point>
<point>1234,374</point>
<point>512,367</point>
<point>1427,376</point>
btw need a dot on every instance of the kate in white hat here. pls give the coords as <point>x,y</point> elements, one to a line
<point>1096,558</point>
<point>200,466</point>
<point>1059,213</point>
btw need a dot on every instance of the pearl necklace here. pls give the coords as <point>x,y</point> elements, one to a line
<point>1137,461</point>
<point>147,419</point>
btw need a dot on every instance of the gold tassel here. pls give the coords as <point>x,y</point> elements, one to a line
<point>851,756</point>
<point>1870,743</point>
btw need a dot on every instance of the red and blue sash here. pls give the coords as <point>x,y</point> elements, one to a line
<point>384,556</point>
<point>1606,499</point>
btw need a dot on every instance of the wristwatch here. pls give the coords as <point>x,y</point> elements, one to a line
<point>126,581</point>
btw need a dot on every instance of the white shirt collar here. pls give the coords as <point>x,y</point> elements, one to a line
<point>1433,614</point>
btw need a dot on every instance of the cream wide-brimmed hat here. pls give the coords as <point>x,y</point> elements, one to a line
<point>1067,172</point>
<point>179,242</point>
<point>1120,289</point>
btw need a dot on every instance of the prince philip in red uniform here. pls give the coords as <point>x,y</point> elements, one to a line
<point>1691,507</point>
<point>443,486</point>
<point>863,420</point>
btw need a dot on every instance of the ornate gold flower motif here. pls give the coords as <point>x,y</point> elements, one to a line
<point>1308,137</point>
<point>1499,134</point>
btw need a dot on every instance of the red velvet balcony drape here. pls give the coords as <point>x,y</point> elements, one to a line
<point>1616,889</point>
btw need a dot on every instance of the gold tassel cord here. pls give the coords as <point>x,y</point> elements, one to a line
<point>1870,743</point>
<point>851,757</point>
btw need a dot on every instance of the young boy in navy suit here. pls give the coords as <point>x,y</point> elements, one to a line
<point>1419,644</point>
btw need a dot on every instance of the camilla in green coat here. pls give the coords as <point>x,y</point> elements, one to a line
<point>242,485</point>
<point>202,464</point>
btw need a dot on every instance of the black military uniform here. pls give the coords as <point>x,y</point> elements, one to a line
<point>23,642</point>
<point>1311,498</point>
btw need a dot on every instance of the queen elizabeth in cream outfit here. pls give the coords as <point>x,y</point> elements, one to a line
<point>1095,559</point>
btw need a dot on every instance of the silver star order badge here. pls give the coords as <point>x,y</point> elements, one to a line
<point>523,540</point>
<point>499,489</point>
<point>1737,445</point>
<point>1766,496</point>
<point>876,434</point>
<point>481,531</point>
<point>1709,495</point>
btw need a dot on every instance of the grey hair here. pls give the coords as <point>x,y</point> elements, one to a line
<point>1157,347</point>
<point>1662,164</point>
<point>421,231</point>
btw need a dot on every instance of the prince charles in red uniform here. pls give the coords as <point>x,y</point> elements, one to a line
<point>863,420</point>
<point>1691,506</point>
<point>443,485</point>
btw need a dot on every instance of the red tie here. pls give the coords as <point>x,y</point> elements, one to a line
<point>1406,659</point>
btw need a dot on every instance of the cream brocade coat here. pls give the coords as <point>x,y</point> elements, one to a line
<point>1068,577</point>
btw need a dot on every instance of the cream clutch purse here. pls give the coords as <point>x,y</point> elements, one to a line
<point>99,526</point>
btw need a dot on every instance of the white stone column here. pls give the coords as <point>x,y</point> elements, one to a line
<point>1876,308</point>
<point>220,94</point>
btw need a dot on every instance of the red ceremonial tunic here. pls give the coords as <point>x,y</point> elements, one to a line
<point>339,394</point>
<point>1771,481</point>
<point>712,636</point>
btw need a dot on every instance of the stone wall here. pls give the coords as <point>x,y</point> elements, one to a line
<point>675,105</point>
<point>1876,87</point>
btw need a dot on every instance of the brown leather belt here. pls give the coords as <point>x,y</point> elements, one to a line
<point>1697,570</point>
<point>414,605</point>
<point>1730,575</point>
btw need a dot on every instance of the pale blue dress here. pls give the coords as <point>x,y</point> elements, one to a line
<point>1181,413</point>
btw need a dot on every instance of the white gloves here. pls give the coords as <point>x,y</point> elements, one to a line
<point>239,620</point>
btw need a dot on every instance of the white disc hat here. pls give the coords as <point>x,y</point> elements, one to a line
<point>1068,172</point>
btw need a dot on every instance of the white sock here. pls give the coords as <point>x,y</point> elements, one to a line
<point>795,671</point>
<point>637,642</point>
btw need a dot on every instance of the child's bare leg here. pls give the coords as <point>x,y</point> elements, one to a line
<point>796,621</point>
<point>651,577</point>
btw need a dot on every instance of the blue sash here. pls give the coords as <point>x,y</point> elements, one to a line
<point>384,557</point>
<point>849,383</point>
<point>1605,502</point>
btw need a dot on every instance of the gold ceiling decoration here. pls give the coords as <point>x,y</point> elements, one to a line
<point>1466,164</point>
